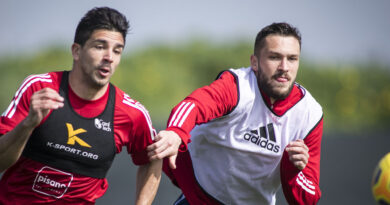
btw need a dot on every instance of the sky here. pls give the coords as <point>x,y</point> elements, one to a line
<point>332,31</point>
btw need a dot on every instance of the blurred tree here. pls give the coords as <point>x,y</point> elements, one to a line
<point>355,98</point>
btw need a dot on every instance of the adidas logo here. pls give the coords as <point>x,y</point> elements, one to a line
<point>259,137</point>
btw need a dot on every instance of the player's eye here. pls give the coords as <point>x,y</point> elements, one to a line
<point>99,47</point>
<point>118,51</point>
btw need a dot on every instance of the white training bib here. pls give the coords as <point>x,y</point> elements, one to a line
<point>236,157</point>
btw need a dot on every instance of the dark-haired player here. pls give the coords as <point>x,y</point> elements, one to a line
<point>249,131</point>
<point>62,129</point>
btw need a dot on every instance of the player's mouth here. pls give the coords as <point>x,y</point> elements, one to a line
<point>282,78</point>
<point>104,70</point>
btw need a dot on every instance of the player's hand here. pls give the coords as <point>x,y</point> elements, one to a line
<point>41,102</point>
<point>298,153</point>
<point>166,145</point>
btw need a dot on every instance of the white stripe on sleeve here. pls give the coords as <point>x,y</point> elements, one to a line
<point>19,93</point>
<point>128,101</point>
<point>305,184</point>
<point>186,115</point>
<point>174,114</point>
<point>182,111</point>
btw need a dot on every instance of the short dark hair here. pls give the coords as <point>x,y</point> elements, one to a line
<point>100,18</point>
<point>282,29</point>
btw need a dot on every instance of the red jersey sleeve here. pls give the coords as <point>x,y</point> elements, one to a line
<point>137,131</point>
<point>302,187</point>
<point>19,106</point>
<point>204,104</point>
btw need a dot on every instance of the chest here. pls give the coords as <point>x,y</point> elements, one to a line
<point>73,143</point>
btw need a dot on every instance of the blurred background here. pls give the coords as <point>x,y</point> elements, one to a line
<point>177,46</point>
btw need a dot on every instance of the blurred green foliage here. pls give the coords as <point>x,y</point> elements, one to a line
<point>355,98</point>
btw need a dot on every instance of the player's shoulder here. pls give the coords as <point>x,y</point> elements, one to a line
<point>129,106</point>
<point>239,75</point>
<point>39,81</point>
<point>132,110</point>
<point>245,71</point>
<point>310,103</point>
<point>35,82</point>
<point>228,76</point>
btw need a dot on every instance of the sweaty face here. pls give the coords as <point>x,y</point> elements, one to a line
<point>276,65</point>
<point>99,57</point>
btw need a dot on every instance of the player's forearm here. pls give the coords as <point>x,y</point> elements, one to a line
<point>299,187</point>
<point>302,187</point>
<point>13,143</point>
<point>302,190</point>
<point>148,180</point>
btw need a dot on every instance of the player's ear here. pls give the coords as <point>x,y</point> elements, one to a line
<point>254,63</point>
<point>76,49</point>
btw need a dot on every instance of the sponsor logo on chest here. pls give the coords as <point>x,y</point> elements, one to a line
<point>264,137</point>
<point>100,124</point>
<point>75,140</point>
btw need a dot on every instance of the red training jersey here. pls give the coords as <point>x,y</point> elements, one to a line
<point>132,128</point>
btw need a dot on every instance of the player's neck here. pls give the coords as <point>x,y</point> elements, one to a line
<point>272,100</point>
<point>83,89</point>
